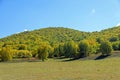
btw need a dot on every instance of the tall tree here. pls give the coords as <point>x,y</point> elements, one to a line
<point>6,54</point>
<point>84,48</point>
<point>70,49</point>
<point>43,52</point>
<point>59,50</point>
<point>106,48</point>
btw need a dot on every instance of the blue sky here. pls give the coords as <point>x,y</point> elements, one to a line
<point>84,15</point>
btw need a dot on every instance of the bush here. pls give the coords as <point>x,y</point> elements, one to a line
<point>22,54</point>
<point>106,48</point>
<point>6,54</point>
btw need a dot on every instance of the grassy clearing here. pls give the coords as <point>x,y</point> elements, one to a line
<point>107,69</point>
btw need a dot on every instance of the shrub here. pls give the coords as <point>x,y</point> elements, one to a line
<point>22,54</point>
<point>106,48</point>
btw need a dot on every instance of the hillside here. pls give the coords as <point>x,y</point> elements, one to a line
<point>107,33</point>
<point>51,35</point>
<point>58,42</point>
<point>55,35</point>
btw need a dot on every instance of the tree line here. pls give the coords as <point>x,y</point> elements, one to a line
<point>69,49</point>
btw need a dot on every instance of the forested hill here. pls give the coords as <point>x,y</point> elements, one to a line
<point>107,33</point>
<point>57,42</point>
<point>51,35</point>
<point>111,32</point>
<point>59,34</point>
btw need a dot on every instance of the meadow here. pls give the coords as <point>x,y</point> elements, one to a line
<point>58,69</point>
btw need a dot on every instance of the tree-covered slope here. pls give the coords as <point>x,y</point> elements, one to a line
<point>108,33</point>
<point>59,34</point>
<point>59,41</point>
<point>52,35</point>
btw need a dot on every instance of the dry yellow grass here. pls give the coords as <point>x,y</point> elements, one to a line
<point>107,69</point>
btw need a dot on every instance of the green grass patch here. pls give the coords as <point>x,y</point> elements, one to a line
<point>107,69</point>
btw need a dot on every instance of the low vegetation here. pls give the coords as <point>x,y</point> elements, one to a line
<point>57,69</point>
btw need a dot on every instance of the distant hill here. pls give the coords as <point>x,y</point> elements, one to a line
<point>111,32</point>
<point>106,33</point>
<point>55,35</point>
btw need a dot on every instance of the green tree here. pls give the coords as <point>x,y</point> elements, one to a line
<point>115,45</point>
<point>56,51</point>
<point>43,52</point>
<point>84,49</point>
<point>34,52</point>
<point>22,47</point>
<point>106,48</point>
<point>93,46</point>
<point>119,45</point>
<point>50,52</point>
<point>99,40</point>
<point>6,54</point>
<point>70,49</point>
<point>113,39</point>
<point>59,50</point>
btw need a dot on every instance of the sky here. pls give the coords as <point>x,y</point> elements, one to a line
<point>83,15</point>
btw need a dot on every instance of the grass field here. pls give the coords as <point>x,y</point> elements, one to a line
<point>106,69</point>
